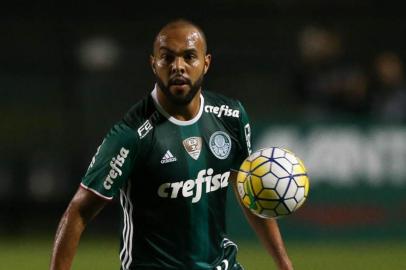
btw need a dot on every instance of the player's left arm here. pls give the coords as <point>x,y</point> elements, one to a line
<point>267,231</point>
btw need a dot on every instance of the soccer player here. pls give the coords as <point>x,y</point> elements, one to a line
<point>170,161</point>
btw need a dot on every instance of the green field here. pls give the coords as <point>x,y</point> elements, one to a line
<point>95,253</point>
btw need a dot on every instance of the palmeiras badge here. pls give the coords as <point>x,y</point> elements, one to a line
<point>193,146</point>
<point>220,144</point>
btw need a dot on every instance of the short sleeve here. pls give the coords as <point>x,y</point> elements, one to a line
<point>245,131</point>
<point>113,162</point>
<point>244,137</point>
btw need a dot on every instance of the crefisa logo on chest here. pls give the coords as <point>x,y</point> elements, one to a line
<point>220,144</point>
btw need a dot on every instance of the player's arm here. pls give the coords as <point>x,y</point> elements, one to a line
<point>83,207</point>
<point>107,173</point>
<point>267,231</point>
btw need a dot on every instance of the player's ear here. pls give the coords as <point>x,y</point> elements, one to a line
<point>207,61</point>
<point>152,62</point>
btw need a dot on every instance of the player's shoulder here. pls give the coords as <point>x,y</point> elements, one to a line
<point>142,116</point>
<point>213,98</point>
<point>140,111</point>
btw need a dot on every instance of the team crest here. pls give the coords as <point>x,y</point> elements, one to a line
<point>193,146</point>
<point>220,144</point>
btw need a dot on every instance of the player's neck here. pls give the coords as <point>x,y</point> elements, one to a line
<point>180,112</point>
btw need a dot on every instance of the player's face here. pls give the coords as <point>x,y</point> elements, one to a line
<point>180,63</point>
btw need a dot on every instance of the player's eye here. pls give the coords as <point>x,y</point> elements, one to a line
<point>167,57</point>
<point>190,56</point>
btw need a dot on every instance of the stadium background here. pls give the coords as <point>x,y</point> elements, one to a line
<point>322,78</point>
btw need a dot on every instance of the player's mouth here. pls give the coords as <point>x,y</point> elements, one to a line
<point>179,82</point>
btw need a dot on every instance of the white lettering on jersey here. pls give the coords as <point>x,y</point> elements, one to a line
<point>247,131</point>
<point>194,187</point>
<point>116,164</point>
<point>222,110</point>
<point>223,262</point>
<point>94,157</point>
<point>144,129</point>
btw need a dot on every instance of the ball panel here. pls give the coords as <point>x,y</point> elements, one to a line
<point>279,171</point>
<point>246,201</point>
<point>268,204</point>
<point>256,183</point>
<point>277,152</point>
<point>292,159</point>
<point>290,193</point>
<point>307,186</point>
<point>248,188</point>
<point>298,170</point>
<point>266,213</point>
<point>255,207</point>
<point>281,209</point>
<point>300,194</point>
<point>301,180</point>
<point>299,204</point>
<point>241,176</point>
<point>285,164</point>
<point>263,169</point>
<point>267,152</point>
<point>281,186</point>
<point>302,164</point>
<point>269,180</point>
<point>268,194</point>
<point>291,204</point>
<point>240,188</point>
<point>258,161</point>
<point>245,166</point>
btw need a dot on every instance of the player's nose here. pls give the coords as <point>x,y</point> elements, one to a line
<point>178,65</point>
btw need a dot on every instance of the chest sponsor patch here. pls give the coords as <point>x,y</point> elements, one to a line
<point>223,110</point>
<point>206,181</point>
<point>193,145</point>
<point>220,144</point>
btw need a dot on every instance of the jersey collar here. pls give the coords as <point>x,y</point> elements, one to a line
<point>173,119</point>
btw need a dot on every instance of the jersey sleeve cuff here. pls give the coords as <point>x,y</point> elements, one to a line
<point>95,192</point>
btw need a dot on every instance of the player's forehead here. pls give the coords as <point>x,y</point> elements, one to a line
<point>179,38</point>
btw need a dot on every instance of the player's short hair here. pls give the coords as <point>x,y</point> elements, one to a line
<point>181,22</point>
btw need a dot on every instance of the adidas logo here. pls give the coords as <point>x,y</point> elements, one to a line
<point>168,157</point>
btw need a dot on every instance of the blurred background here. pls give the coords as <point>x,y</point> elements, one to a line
<point>325,79</point>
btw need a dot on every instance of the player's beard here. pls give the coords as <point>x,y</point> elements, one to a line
<point>181,100</point>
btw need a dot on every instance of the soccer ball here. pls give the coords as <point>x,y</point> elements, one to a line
<point>272,182</point>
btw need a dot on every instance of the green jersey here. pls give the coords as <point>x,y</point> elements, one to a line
<point>172,177</point>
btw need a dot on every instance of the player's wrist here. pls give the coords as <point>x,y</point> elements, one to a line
<point>285,264</point>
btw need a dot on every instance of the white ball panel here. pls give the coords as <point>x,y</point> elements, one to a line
<point>278,170</point>
<point>285,164</point>
<point>291,158</point>
<point>291,204</point>
<point>278,153</point>
<point>300,194</point>
<point>281,186</point>
<point>267,152</point>
<point>291,190</point>
<point>269,180</point>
